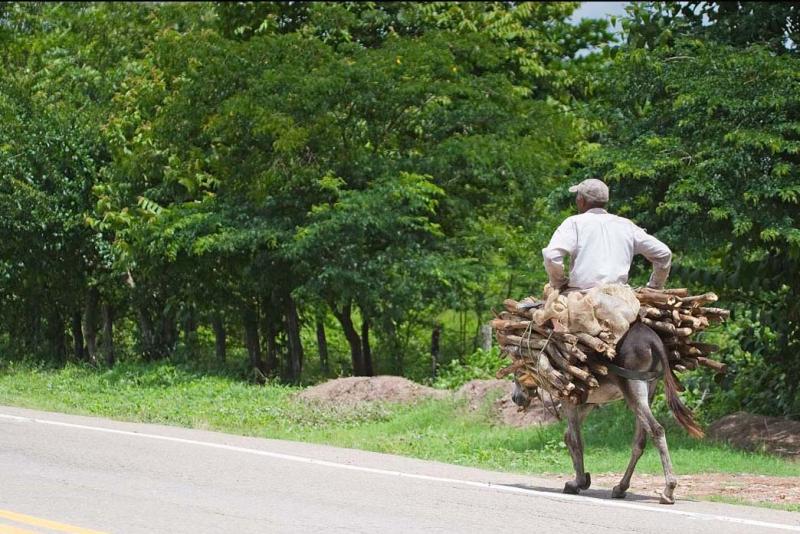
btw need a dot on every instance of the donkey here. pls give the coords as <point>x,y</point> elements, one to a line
<point>641,359</point>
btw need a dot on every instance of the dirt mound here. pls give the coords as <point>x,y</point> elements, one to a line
<point>758,433</point>
<point>503,408</point>
<point>476,391</point>
<point>356,389</point>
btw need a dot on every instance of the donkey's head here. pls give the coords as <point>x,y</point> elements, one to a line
<point>520,396</point>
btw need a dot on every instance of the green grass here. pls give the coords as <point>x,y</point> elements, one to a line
<point>437,430</point>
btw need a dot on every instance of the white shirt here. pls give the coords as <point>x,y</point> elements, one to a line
<point>601,248</point>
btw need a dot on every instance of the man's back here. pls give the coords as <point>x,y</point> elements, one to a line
<point>601,247</point>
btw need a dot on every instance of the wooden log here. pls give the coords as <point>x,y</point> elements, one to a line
<point>716,315</point>
<point>511,305</point>
<point>649,296</point>
<point>677,292</point>
<point>705,348</point>
<point>540,364</point>
<point>660,326</point>
<point>509,327</point>
<point>674,355</point>
<point>678,368</point>
<point>696,322</point>
<point>528,342</point>
<point>684,331</point>
<point>511,350</point>
<point>688,350</point>
<point>704,310</point>
<point>566,337</point>
<point>559,360</point>
<point>571,350</point>
<point>506,324</point>
<point>699,300</point>
<point>652,312</point>
<point>598,368</point>
<point>594,343</point>
<point>509,369</point>
<point>719,367</point>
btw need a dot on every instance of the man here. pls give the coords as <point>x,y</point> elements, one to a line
<point>601,246</point>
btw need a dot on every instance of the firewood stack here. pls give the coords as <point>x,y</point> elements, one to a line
<point>567,365</point>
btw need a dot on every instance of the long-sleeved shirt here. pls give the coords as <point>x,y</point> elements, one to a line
<point>601,248</point>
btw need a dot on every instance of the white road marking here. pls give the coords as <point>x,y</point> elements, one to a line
<point>662,509</point>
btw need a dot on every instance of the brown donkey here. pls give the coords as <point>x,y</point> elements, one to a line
<point>640,361</point>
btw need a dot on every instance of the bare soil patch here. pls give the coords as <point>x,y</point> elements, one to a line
<point>748,488</point>
<point>357,389</point>
<point>758,433</point>
<point>503,410</point>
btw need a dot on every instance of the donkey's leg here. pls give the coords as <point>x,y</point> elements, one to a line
<point>636,393</point>
<point>572,437</point>
<point>639,442</point>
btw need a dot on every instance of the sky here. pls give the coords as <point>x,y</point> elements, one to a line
<point>598,10</point>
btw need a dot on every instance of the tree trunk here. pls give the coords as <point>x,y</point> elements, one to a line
<point>90,323</point>
<point>190,328</point>
<point>295,346</point>
<point>251,340</point>
<point>486,337</point>
<point>270,331</point>
<point>56,337</point>
<point>168,334</point>
<point>146,333</point>
<point>437,330</point>
<point>77,337</point>
<point>156,343</point>
<point>351,335</point>
<point>271,336</point>
<point>220,336</point>
<point>366,350</point>
<point>322,346</point>
<point>108,333</point>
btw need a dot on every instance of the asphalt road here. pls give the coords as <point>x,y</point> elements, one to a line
<point>62,473</point>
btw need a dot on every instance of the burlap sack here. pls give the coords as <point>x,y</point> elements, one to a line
<point>609,308</point>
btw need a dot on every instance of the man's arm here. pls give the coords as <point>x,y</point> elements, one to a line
<point>656,253</point>
<point>563,242</point>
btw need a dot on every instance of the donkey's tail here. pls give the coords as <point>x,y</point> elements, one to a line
<point>672,386</point>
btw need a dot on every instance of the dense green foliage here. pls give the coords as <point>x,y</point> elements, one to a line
<point>271,181</point>
<point>701,137</point>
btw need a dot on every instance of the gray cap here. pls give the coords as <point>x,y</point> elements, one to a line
<point>592,190</point>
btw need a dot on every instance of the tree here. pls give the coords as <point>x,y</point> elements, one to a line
<point>700,142</point>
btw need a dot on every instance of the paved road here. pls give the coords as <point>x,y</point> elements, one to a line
<point>62,473</point>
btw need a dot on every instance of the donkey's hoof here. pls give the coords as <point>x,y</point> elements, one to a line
<point>572,488</point>
<point>618,493</point>
<point>664,499</point>
<point>587,481</point>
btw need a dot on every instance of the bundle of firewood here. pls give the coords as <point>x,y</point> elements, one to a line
<point>567,365</point>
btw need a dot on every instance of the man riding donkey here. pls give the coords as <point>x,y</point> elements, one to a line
<point>595,296</point>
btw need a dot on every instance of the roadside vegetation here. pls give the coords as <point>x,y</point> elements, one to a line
<point>441,430</point>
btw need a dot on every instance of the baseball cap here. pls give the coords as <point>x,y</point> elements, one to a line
<point>592,190</point>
